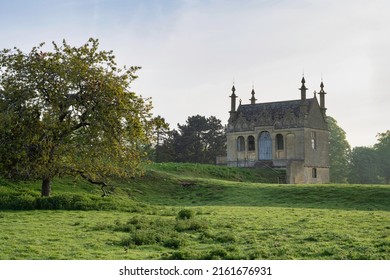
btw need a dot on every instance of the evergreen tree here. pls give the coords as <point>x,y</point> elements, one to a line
<point>200,140</point>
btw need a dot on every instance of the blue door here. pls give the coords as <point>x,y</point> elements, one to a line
<point>265,146</point>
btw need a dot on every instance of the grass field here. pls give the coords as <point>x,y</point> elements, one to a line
<point>189,211</point>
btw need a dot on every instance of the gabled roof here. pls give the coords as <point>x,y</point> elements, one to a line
<point>282,113</point>
<point>273,109</point>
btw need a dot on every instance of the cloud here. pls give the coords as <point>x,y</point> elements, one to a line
<point>191,51</point>
<point>270,45</point>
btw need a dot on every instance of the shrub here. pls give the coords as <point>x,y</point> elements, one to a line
<point>145,237</point>
<point>174,242</point>
<point>183,255</point>
<point>144,231</point>
<point>61,202</point>
<point>22,202</point>
<point>66,202</point>
<point>127,241</point>
<point>188,225</point>
<point>226,238</point>
<point>217,254</point>
<point>207,236</point>
<point>18,198</point>
<point>135,223</point>
<point>17,202</point>
<point>140,237</point>
<point>74,202</point>
<point>185,214</point>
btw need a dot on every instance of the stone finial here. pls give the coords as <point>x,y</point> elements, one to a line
<point>303,89</point>
<point>233,101</point>
<point>322,99</point>
<point>253,98</point>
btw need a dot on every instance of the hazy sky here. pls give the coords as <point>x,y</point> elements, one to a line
<point>191,51</point>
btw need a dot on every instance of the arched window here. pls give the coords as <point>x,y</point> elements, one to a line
<point>240,144</point>
<point>251,143</point>
<point>279,142</point>
<point>265,146</point>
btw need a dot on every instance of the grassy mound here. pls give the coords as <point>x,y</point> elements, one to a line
<point>161,183</point>
<point>190,211</point>
<point>193,185</point>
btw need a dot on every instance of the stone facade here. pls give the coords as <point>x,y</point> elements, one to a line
<point>289,134</point>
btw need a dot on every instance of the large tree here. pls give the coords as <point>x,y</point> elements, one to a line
<point>364,166</point>
<point>383,154</point>
<point>199,140</point>
<point>162,134</point>
<point>70,111</point>
<point>339,152</point>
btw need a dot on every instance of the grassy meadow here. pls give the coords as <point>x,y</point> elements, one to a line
<point>191,211</point>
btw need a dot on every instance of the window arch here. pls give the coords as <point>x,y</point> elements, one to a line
<point>279,142</point>
<point>265,146</point>
<point>240,144</point>
<point>251,143</point>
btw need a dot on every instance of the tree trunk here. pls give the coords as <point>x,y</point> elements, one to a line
<point>46,186</point>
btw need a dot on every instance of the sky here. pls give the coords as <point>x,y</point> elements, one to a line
<point>191,52</point>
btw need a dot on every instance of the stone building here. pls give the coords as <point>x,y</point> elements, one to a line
<point>292,135</point>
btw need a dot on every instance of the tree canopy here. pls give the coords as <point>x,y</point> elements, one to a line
<point>70,111</point>
<point>363,166</point>
<point>339,152</point>
<point>383,151</point>
<point>199,140</point>
<point>372,164</point>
